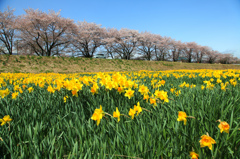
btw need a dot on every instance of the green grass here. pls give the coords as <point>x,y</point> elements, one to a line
<point>43,126</point>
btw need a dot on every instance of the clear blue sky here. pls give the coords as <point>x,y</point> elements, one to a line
<point>214,23</point>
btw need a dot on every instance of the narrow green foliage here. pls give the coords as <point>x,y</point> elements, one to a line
<point>45,126</point>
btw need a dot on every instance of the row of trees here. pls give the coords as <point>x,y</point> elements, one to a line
<point>48,34</point>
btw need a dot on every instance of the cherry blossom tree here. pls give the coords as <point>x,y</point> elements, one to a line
<point>48,34</point>
<point>189,49</point>
<point>212,56</point>
<point>176,48</point>
<point>123,43</point>
<point>7,31</point>
<point>44,32</point>
<point>108,41</point>
<point>162,47</point>
<point>201,52</point>
<point>235,60</point>
<point>87,37</point>
<point>227,58</point>
<point>146,44</point>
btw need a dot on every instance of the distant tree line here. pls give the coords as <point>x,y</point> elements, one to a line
<point>48,34</point>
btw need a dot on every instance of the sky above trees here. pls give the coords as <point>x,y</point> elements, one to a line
<point>214,23</point>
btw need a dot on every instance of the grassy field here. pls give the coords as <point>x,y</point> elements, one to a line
<point>38,64</point>
<point>187,111</point>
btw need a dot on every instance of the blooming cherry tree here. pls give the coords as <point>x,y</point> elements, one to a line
<point>212,56</point>
<point>7,31</point>
<point>108,41</point>
<point>177,48</point>
<point>189,49</point>
<point>146,44</point>
<point>87,37</point>
<point>162,47</point>
<point>44,32</point>
<point>123,43</point>
<point>201,52</point>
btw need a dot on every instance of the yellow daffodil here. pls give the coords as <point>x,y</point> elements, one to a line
<point>129,93</point>
<point>24,86</point>
<point>120,89</point>
<point>234,83</point>
<point>193,86</point>
<point>143,89</point>
<point>182,116</point>
<point>6,119</point>
<point>138,108</point>
<point>93,90</point>
<point>161,95</point>
<point>207,82</point>
<point>50,89</point>
<point>16,88</point>
<point>162,82</point>
<point>206,140</point>
<point>153,101</point>
<point>75,92</point>
<point>116,114</point>
<point>132,112</point>
<point>20,90</point>
<point>65,98</point>
<point>146,97</point>
<point>178,92</point>
<point>30,89</point>
<point>4,93</point>
<point>182,85</point>
<point>223,87</point>
<point>219,81</point>
<point>223,126</point>
<point>109,85</point>
<point>14,95</point>
<point>172,90</point>
<point>41,85</point>
<point>97,115</point>
<point>194,155</point>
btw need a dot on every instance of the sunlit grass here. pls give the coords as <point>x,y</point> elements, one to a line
<point>140,114</point>
<point>25,64</point>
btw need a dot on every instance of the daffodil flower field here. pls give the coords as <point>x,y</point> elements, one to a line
<point>144,114</point>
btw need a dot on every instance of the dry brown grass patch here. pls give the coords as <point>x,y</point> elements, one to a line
<point>36,64</point>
